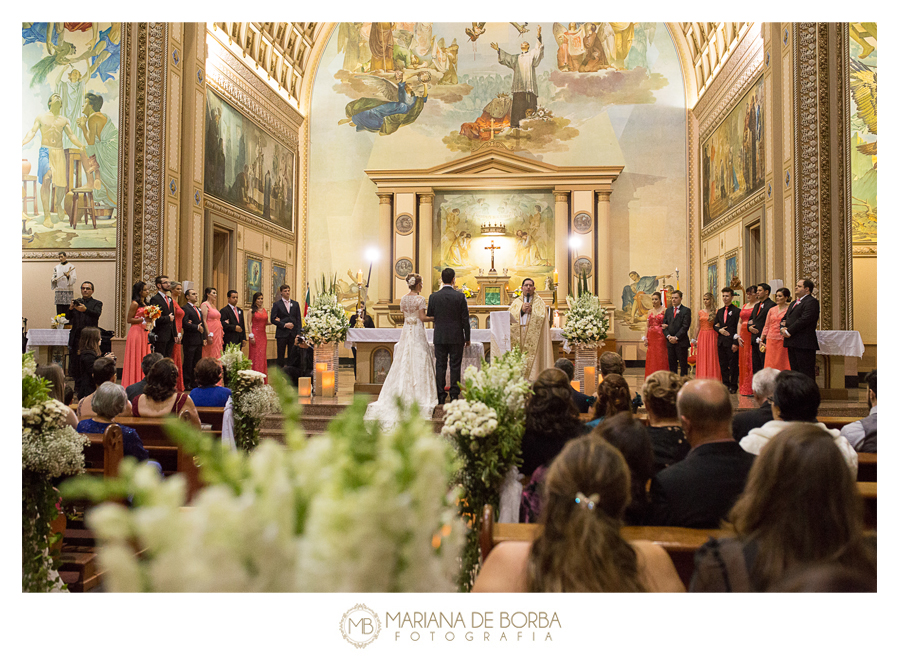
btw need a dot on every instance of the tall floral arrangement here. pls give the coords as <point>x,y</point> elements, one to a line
<point>233,361</point>
<point>326,321</point>
<point>486,428</point>
<point>50,449</point>
<point>587,322</point>
<point>352,511</point>
<point>253,400</point>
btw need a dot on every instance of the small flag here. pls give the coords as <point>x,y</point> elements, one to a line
<point>306,307</point>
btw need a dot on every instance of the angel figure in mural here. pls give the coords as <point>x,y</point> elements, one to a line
<point>444,59</point>
<point>864,87</point>
<point>570,54</point>
<point>396,105</point>
<point>636,296</point>
<point>60,55</point>
<point>459,250</point>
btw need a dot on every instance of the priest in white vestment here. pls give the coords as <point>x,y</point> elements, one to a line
<point>530,330</point>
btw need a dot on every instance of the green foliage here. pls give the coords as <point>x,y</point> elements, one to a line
<point>38,510</point>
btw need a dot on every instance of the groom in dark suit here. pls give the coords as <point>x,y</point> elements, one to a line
<point>287,320</point>
<point>165,324</point>
<point>233,321</point>
<point>676,322</point>
<point>728,318</point>
<point>451,333</point>
<point>799,329</point>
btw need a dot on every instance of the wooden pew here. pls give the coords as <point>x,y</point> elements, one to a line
<point>211,416</point>
<point>105,453</point>
<point>869,493</point>
<point>837,422</point>
<point>868,467</point>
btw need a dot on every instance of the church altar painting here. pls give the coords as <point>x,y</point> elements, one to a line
<point>70,144</point>
<point>245,166</point>
<point>732,158</point>
<point>712,278</point>
<point>252,275</point>
<point>526,249</point>
<point>864,131</point>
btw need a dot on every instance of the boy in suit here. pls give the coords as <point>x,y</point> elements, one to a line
<point>233,320</point>
<point>450,311</point>
<point>676,322</point>
<point>286,318</point>
<point>193,337</point>
<point>728,319</point>
<point>757,323</point>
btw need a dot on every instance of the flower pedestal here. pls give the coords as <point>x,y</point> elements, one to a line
<point>585,357</point>
<point>327,354</point>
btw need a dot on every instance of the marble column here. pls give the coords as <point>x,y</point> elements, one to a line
<point>562,243</point>
<point>426,211</point>
<point>385,240</point>
<point>603,251</point>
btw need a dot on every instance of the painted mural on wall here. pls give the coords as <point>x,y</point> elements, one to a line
<point>70,144</point>
<point>526,250</point>
<point>245,166</point>
<point>637,297</point>
<point>732,158</point>
<point>415,95</point>
<point>864,130</point>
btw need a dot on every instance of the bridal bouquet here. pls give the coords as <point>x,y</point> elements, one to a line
<point>486,428</point>
<point>326,321</point>
<point>50,449</point>
<point>587,322</point>
<point>351,511</point>
<point>151,314</point>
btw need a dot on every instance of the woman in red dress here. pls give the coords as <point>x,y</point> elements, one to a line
<point>259,318</point>
<point>657,355</point>
<point>745,357</point>
<point>136,344</point>
<point>707,352</point>
<point>212,319</point>
<point>771,342</point>
<point>176,353</point>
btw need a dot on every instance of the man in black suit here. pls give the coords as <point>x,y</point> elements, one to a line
<point>233,321</point>
<point>451,332</point>
<point>287,320</point>
<point>164,330</point>
<point>367,322</point>
<point>699,491</point>
<point>147,362</point>
<point>757,323</point>
<point>799,329</point>
<point>728,318</point>
<point>763,389</point>
<point>676,322</point>
<point>193,337</point>
<point>83,312</point>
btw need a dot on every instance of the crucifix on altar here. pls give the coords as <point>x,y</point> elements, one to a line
<point>492,248</point>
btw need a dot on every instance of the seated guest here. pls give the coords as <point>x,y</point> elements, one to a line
<point>88,352</point>
<point>763,388</point>
<point>666,436</point>
<point>796,400</point>
<point>630,437</point>
<point>863,434</point>
<point>612,364</point>
<point>146,363</point>
<point>54,374</point>
<point>613,397</point>
<point>783,528</point>
<point>109,401</point>
<point>582,401</point>
<point>103,370</point>
<point>207,392</point>
<point>580,548</point>
<point>698,491</point>
<point>551,419</point>
<point>69,396</point>
<point>160,397</point>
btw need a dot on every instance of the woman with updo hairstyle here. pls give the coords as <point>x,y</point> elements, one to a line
<point>800,508</point>
<point>414,281</point>
<point>657,354</point>
<point>771,342</point>
<point>664,427</point>
<point>581,549</point>
<point>212,319</point>
<point>613,397</point>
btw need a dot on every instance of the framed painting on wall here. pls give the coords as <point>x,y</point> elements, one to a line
<point>279,274</point>
<point>731,277</point>
<point>712,278</point>
<point>253,265</point>
<point>382,358</point>
<point>245,166</point>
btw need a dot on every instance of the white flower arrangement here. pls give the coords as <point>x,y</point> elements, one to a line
<point>475,420</point>
<point>326,322</point>
<point>51,447</point>
<point>231,355</point>
<point>29,367</point>
<point>587,322</point>
<point>257,402</point>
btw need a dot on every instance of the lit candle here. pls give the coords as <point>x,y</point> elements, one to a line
<point>556,319</point>
<point>328,384</point>
<point>359,277</point>
<point>304,387</point>
<point>590,380</point>
<point>576,385</point>
<point>555,277</point>
<point>321,369</point>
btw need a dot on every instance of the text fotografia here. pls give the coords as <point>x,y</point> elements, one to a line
<point>480,626</point>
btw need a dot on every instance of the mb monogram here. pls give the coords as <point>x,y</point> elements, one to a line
<point>360,626</point>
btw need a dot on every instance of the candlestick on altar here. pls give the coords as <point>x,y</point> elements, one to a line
<point>359,277</point>
<point>555,277</point>
<point>556,319</point>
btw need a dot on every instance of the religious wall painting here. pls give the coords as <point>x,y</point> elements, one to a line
<point>637,297</point>
<point>279,276</point>
<point>253,267</point>
<point>712,278</point>
<point>732,279</point>
<point>732,157</point>
<point>520,224</point>
<point>864,131</point>
<point>473,322</point>
<point>70,145</point>
<point>246,166</point>
<point>381,364</point>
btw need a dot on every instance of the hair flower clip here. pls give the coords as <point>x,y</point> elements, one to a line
<point>587,502</point>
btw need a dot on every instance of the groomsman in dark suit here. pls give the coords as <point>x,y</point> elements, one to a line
<point>193,337</point>
<point>233,321</point>
<point>799,329</point>
<point>757,323</point>
<point>676,322</point>
<point>728,318</point>
<point>287,320</point>
<point>165,324</point>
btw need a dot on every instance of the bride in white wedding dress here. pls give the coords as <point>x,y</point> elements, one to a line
<point>411,377</point>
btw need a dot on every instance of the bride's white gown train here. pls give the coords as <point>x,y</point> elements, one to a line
<point>411,377</point>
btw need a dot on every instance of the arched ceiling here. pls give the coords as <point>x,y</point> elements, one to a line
<point>709,45</point>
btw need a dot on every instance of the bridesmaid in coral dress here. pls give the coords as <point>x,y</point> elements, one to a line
<point>211,317</point>
<point>707,352</point>
<point>771,343</point>
<point>259,318</point>
<point>745,357</point>
<point>657,355</point>
<point>176,352</point>
<point>136,344</point>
